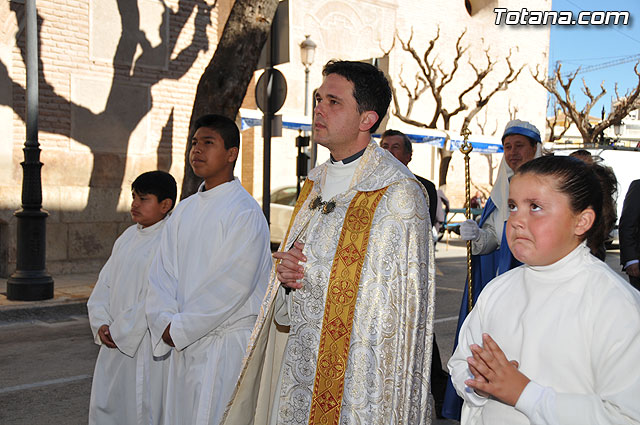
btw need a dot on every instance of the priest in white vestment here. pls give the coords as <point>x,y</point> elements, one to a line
<point>128,381</point>
<point>344,334</point>
<point>208,280</point>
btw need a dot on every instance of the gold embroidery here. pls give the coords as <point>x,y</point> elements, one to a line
<point>340,306</point>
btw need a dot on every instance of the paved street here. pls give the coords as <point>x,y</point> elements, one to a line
<point>46,363</point>
<point>45,371</point>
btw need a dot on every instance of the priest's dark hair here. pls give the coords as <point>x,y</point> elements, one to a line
<point>587,186</point>
<point>371,88</point>
<point>226,128</point>
<point>158,183</point>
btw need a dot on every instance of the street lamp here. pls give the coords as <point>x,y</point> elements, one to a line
<point>30,281</point>
<point>602,132</point>
<point>619,128</point>
<point>307,53</point>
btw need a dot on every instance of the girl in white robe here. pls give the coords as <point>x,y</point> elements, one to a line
<point>556,340</point>
<point>128,381</point>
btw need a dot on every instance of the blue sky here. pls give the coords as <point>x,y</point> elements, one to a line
<point>587,46</point>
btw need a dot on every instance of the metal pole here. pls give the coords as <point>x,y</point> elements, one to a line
<point>314,146</point>
<point>306,92</point>
<point>266,127</point>
<point>466,149</point>
<point>266,158</point>
<point>306,114</point>
<point>30,282</point>
<point>297,169</point>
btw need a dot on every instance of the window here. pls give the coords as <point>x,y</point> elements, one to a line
<point>285,196</point>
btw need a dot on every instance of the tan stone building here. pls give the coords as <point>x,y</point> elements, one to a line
<point>118,79</point>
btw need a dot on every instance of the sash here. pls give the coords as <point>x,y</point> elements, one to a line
<point>337,323</point>
<point>304,194</point>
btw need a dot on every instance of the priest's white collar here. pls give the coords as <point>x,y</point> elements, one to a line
<point>348,159</point>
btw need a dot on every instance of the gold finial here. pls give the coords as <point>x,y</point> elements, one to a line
<point>466,147</point>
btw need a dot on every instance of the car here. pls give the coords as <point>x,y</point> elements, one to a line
<point>282,202</point>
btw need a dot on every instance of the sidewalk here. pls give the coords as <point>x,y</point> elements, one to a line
<point>70,295</point>
<point>71,291</point>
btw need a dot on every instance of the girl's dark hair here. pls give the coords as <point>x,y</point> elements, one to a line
<point>587,186</point>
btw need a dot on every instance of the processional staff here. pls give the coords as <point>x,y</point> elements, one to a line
<point>466,148</point>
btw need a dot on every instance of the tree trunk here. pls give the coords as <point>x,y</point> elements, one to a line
<point>445,159</point>
<point>224,82</point>
<point>490,161</point>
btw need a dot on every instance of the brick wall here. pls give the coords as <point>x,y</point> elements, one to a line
<point>115,101</point>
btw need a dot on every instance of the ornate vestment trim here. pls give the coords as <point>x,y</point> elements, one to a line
<point>304,194</point>
<point>342,294</point>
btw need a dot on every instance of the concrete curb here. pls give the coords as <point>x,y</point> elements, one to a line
<point>42,311</point>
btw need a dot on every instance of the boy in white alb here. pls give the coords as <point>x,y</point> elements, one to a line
<point>208,280</point>
<point>128,381</point>
<point>556,340</point>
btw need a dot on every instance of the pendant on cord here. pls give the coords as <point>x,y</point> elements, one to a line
<point>327,207</point>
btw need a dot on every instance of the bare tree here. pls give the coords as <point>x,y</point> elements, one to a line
<point>513,111</point>
<point>224,82</point>
<point>482,125</point>
<point>560,89</point>
<point>433,77</point>
<point>558,118</point>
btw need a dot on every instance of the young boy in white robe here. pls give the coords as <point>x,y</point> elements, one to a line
<point>128,382</point>
<point>556,340</point>
<point>208,280</point>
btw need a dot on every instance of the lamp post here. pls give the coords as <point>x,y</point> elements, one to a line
<point>618,129</point>
<point>602,133</point>
<point>30,281</point>
<point>307,53</point>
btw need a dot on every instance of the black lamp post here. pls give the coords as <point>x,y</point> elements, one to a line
<point>602,133</point>
<point>30,282</point>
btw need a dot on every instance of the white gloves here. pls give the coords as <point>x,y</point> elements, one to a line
<point>469,230</point>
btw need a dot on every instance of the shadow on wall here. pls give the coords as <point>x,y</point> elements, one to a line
<point>137,65</point>
<point>4,248</point>
<point>71,246</point>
